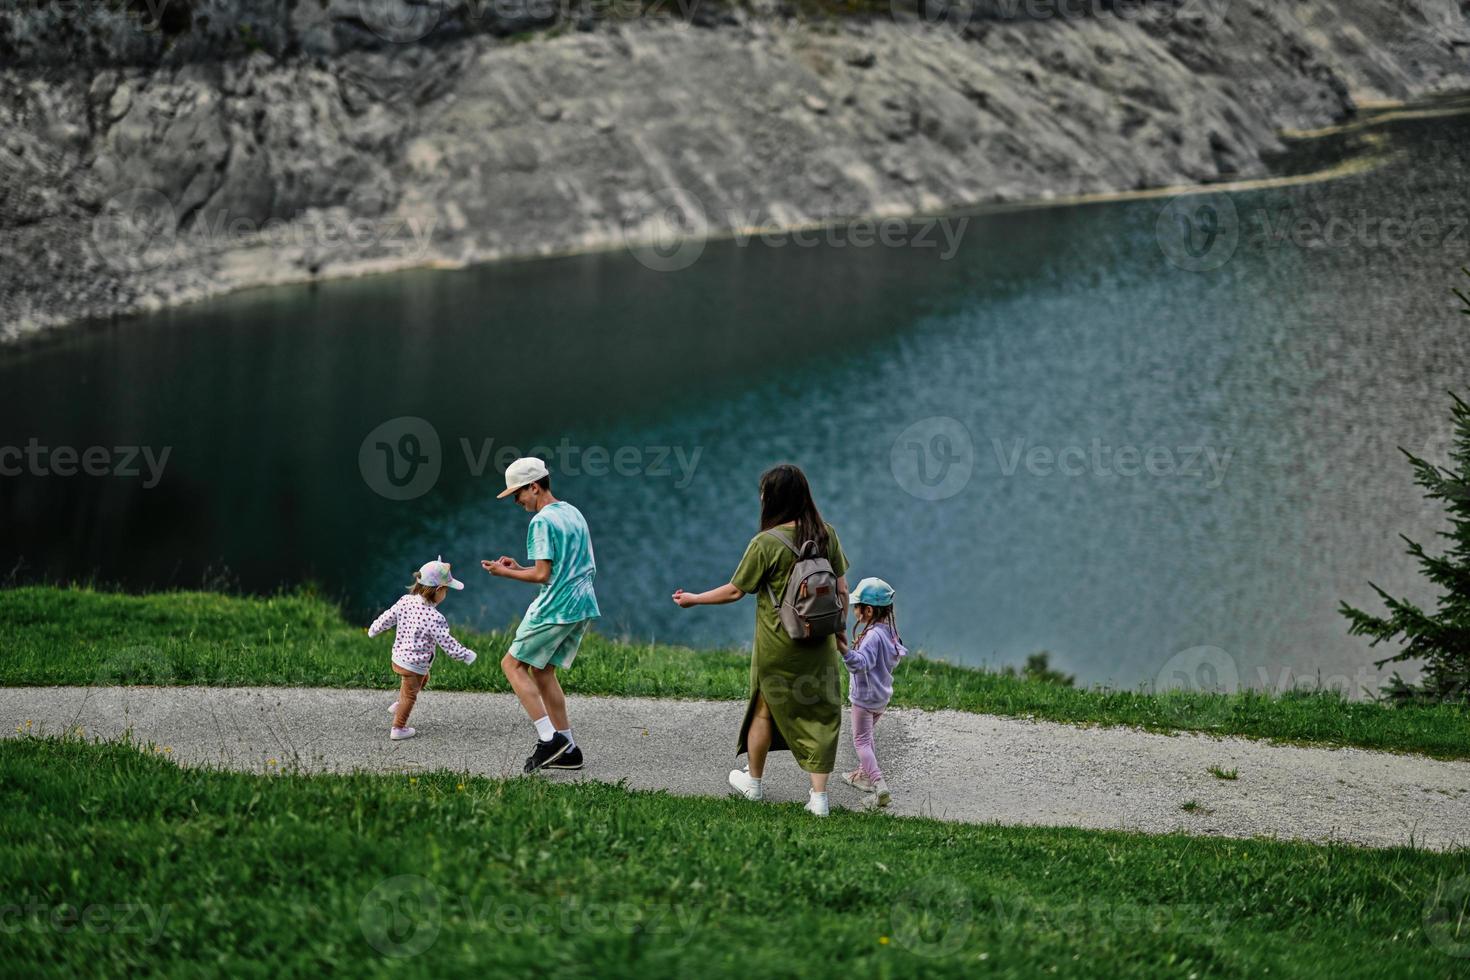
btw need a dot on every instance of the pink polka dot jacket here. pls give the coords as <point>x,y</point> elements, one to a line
<point>420,627</point>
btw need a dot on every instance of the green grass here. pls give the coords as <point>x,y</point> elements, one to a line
<point>1221,773</point>
<point>80,636</point>
<point>118,861</point>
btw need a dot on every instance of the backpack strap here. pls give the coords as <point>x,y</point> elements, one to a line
<point>789,545</point>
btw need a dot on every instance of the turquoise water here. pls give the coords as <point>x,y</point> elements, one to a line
<point>1264,398</point>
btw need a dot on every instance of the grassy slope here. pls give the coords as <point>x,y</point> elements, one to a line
<point>78,636</point>
<point>203,872</point>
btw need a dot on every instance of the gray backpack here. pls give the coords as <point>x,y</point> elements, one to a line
<point>810,608</point>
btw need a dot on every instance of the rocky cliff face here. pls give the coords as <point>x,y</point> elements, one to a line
<point>152,161</point>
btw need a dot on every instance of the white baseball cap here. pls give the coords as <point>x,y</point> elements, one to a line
<point>524,471</point>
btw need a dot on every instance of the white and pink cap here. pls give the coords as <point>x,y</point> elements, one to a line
<point>436,573</point>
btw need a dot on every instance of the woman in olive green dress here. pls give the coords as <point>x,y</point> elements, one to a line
<point>795,685</point>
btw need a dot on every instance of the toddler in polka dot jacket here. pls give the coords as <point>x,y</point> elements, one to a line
<point>419,627</point>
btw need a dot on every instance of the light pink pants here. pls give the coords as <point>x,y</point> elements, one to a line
<point>863,721</point>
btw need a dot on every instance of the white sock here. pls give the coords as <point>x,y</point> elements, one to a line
<point>544,728</point>
<point>571,742</point>
<point>818,796</point>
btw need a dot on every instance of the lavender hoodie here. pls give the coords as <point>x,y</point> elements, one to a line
<point>871,664</point>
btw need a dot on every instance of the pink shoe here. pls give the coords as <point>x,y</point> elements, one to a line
<point>399,734</point>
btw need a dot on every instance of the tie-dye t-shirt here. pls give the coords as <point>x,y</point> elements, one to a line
<point>559,534</point>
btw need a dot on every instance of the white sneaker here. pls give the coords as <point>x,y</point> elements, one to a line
<point>742,783</point>
<point>817,805</point>
<point>881,788</point>
<point>399,734</point>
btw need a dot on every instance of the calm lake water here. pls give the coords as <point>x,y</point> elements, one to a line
<point>1081,432</point>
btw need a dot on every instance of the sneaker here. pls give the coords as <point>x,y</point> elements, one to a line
<point>881,788</point>
<point>548,751</point>
<point>399,734</point>
<point>570,759</point>
<point>817,805</point>
<point>858,780</point>
<point>742,783</point>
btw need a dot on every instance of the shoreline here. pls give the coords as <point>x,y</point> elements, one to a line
<point>173,189</point>
<point>1366,162</point>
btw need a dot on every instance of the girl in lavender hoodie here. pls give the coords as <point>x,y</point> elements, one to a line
<point>875,651</point>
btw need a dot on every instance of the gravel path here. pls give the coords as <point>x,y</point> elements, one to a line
<point>946,764</point>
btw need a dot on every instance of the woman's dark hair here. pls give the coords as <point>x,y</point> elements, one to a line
<point>786,496</point>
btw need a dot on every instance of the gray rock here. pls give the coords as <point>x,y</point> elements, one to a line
<point>228,149</point>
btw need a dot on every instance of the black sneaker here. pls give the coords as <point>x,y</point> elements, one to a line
<point>570,759</point>
<point>548,751</point>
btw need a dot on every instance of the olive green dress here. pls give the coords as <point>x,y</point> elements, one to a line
<point>801,680</point>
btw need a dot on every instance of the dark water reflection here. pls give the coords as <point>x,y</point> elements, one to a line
<point>1062,331</point>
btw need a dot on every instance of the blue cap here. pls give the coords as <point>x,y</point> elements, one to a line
<point>872,592</point>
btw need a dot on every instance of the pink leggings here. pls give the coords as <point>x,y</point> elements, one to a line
<point>863,721</point>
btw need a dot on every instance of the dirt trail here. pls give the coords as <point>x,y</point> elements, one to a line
<point>946,764</point>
